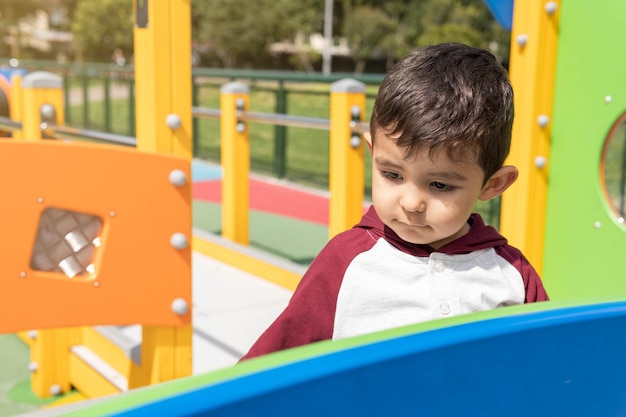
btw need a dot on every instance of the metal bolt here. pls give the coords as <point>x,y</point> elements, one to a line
<point>55,389</point>
<point>543,120</point>
<point>178,177</point>
<point>180,306</point>
<point>173,121</point>
<point>355,141</point>
<point>522,40</point>
<point>541,162</point>
<point>551,7</point>
<point>179,241</point>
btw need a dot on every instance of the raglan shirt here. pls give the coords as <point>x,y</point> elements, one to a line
<point>367,279</point>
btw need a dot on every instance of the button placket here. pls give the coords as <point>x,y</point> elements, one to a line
<point>444,308</point>
<point>439,267</point>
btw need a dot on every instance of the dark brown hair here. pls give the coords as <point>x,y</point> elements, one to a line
<point>448,96</point>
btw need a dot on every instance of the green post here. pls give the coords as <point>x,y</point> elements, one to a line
<point>131,107</point>
<point>280,133</point>
<point>107,103</point>
<point>85,81</point>
<point>195,145</point>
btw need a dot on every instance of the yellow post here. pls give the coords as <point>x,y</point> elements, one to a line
<point>235,163</point>
<point>347,182</point>
<point>49,360</point>
<point>16,108</point>
<point>42,97</point>
<point>39,97</point>
<point>162,38</point>
<point>532,68</point>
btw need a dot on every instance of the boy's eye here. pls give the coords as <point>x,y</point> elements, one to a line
<point>391,175</point>
<point>439,186</point>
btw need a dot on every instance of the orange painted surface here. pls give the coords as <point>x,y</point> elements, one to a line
<point>138,273</point>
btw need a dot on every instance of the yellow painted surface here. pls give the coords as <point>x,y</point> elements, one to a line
<point>16,106</point>
<point>163,78</point>
<point>346,164</point>
<point>32,100</point>
<point>255,266</point>
<point>532,69</point>
<point>49,353</point>
<point>87,381</point>
<point>106,350</point>
<point>235,160</point>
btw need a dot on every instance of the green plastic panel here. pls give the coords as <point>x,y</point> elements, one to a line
<point>585,246</point>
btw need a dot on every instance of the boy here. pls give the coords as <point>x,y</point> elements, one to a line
<point>439,134</point>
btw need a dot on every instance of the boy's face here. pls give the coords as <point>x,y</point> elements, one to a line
<point>423,200</point>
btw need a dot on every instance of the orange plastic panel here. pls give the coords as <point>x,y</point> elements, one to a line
<point>136,274</point>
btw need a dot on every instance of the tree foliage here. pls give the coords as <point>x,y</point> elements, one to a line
<point>410,24</point>
<point>238,33</point>
<point>100,27</point>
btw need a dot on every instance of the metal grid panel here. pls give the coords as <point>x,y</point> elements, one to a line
<point>66,242</point>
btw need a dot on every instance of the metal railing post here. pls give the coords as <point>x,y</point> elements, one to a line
<point>235,156</point>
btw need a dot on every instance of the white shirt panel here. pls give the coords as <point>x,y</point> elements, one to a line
<point>385,288</point>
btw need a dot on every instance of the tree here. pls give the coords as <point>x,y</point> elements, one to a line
<point>100,27</point>
<point>373,39</point>
<point>240,32</point>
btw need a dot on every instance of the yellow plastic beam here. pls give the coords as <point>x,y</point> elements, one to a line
<point>235,159</point>
<point>39,89</point>
<point>532,71</point>
<point>163,77</point>
<point>162,40</point>
<point>347,104</point>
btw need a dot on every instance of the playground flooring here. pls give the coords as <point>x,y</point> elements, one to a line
<point>231,308</point>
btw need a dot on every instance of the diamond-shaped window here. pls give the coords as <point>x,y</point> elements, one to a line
<point>66,242</point>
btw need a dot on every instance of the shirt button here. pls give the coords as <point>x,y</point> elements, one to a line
<point>439,267</point>
<point>444,308</point>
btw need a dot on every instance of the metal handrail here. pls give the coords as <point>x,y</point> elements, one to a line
<point>280,119</point>
<point>9,125</point>
<point>67,132</point>
<point>206,113</point>
<point>285,120</point>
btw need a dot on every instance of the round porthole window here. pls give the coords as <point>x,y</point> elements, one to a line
<point>613,169</point>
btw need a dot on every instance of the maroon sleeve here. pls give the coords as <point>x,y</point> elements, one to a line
<point>532,282</point>
<point>309,317</point>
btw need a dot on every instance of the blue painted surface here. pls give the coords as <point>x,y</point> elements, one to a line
<point>567,362</point>
<point>502,11</point>
<point>201,171</point>
<point>7,73</point>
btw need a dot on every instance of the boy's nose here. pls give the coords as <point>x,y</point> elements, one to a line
<point>413,201</point>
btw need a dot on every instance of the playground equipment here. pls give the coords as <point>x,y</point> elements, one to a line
<point>517,362</point>
<point>569,98</point>
<point>98,229</point>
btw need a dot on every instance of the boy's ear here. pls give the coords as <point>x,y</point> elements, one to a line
<point>499,182</point>
<point>368,139</point>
